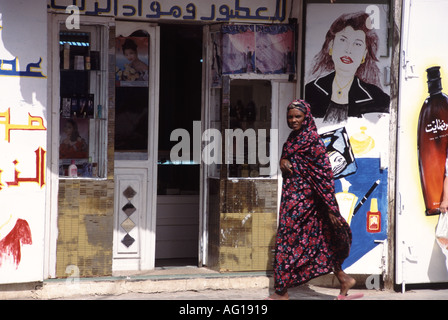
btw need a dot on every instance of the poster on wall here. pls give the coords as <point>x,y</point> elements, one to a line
<point>74,135</point>
<point>23,140</point>
<point>132,61</point>
<point>345,67</point>
<point>263,49</point>
<point>238,49</point>
<point>275,49</point>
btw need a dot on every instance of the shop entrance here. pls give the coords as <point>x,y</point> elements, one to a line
<point>156,219</point>
<point>178,182</point>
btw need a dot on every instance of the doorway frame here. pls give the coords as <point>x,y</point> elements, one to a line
<point>55,22</point>
<point>146,259</point>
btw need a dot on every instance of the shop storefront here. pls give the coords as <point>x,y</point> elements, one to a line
<point>146,108</point>
<point>145,195</point>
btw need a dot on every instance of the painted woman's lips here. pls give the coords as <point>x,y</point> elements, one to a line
<point>346,60</point>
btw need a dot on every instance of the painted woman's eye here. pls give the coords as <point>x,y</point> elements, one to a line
<point>342,38</point>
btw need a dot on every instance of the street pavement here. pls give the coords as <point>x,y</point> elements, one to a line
<point>130,296</point>
<point>202,284</point>
<point>305,292</point>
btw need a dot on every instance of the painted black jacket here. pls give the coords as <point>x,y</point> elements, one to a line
<point>363,97</point>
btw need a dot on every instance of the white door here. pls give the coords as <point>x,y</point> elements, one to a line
<point>136,134</point>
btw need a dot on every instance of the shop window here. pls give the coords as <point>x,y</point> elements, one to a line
<point>248,144</point>
<point>83,124</point>
<point>131,96</point>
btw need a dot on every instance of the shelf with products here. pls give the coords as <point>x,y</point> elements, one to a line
<point>82,119</point>
<point>250,122</point>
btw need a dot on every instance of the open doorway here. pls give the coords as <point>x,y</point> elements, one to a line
<point>178,184</point>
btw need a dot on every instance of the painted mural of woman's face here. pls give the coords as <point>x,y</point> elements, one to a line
<point>348,50</point>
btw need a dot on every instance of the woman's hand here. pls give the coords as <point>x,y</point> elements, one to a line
<point>335,221</point>
<point>285,166</point>
<point>444,206</point>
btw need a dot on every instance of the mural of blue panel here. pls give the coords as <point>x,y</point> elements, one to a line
<point>368,172</point>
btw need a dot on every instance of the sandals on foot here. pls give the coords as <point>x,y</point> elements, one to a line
<point>350,296</point>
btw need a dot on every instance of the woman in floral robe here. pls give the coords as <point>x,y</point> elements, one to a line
<point>313,238</point>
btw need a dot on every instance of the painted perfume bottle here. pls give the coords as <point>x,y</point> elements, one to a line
<point>346,201</point>
<point>432,142</point>
<point>374,217</point>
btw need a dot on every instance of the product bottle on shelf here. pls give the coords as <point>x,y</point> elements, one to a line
<point>432,142</point>
<point>73,170</point>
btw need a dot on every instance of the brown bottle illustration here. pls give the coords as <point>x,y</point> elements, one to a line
<point>432,142</point>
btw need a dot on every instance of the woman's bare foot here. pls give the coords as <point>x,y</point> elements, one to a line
<point>276,296</point>
<point>345,280</point>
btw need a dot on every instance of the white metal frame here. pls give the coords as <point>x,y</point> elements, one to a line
<point>148,226</point>
<point>283,92</point>
<point>51,227</point>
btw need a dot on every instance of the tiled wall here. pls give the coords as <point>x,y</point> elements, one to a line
<point>85,226</point>
<point>246,226</point>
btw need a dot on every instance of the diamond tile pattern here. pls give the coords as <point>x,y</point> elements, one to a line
<point>129,209</point>
<point>128,240</point>
<point>129,193</point>
<point>128,225</point>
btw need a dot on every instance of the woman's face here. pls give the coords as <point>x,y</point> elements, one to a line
<point>130,54</point>
<point>295,118</point>
<point>349,48</point>
<point>68,129</point>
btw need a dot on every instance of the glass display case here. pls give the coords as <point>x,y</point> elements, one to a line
<point>83,113</point>
<point>249,124</point>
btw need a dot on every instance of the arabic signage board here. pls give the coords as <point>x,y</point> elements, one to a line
<point>261,11</point>
<point>23,137</point>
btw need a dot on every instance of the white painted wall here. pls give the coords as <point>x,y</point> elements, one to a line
<point>418,257</point>
<point>23,96</point>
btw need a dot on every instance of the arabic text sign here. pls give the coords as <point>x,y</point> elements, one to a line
<point>196,10</point>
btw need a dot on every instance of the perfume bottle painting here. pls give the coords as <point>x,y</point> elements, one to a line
<point>373,217</point>
<point>432,142</point>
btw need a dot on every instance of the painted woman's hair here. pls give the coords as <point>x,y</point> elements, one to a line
<point>367,71</point>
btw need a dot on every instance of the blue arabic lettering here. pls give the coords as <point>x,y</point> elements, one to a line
<point>99,10</point>
<point>212,14</point>
<point>190,8</point>
<point>13,72</point>
<point>225,12</point>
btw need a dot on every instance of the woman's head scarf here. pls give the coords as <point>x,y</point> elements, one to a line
<point>308,127</point>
